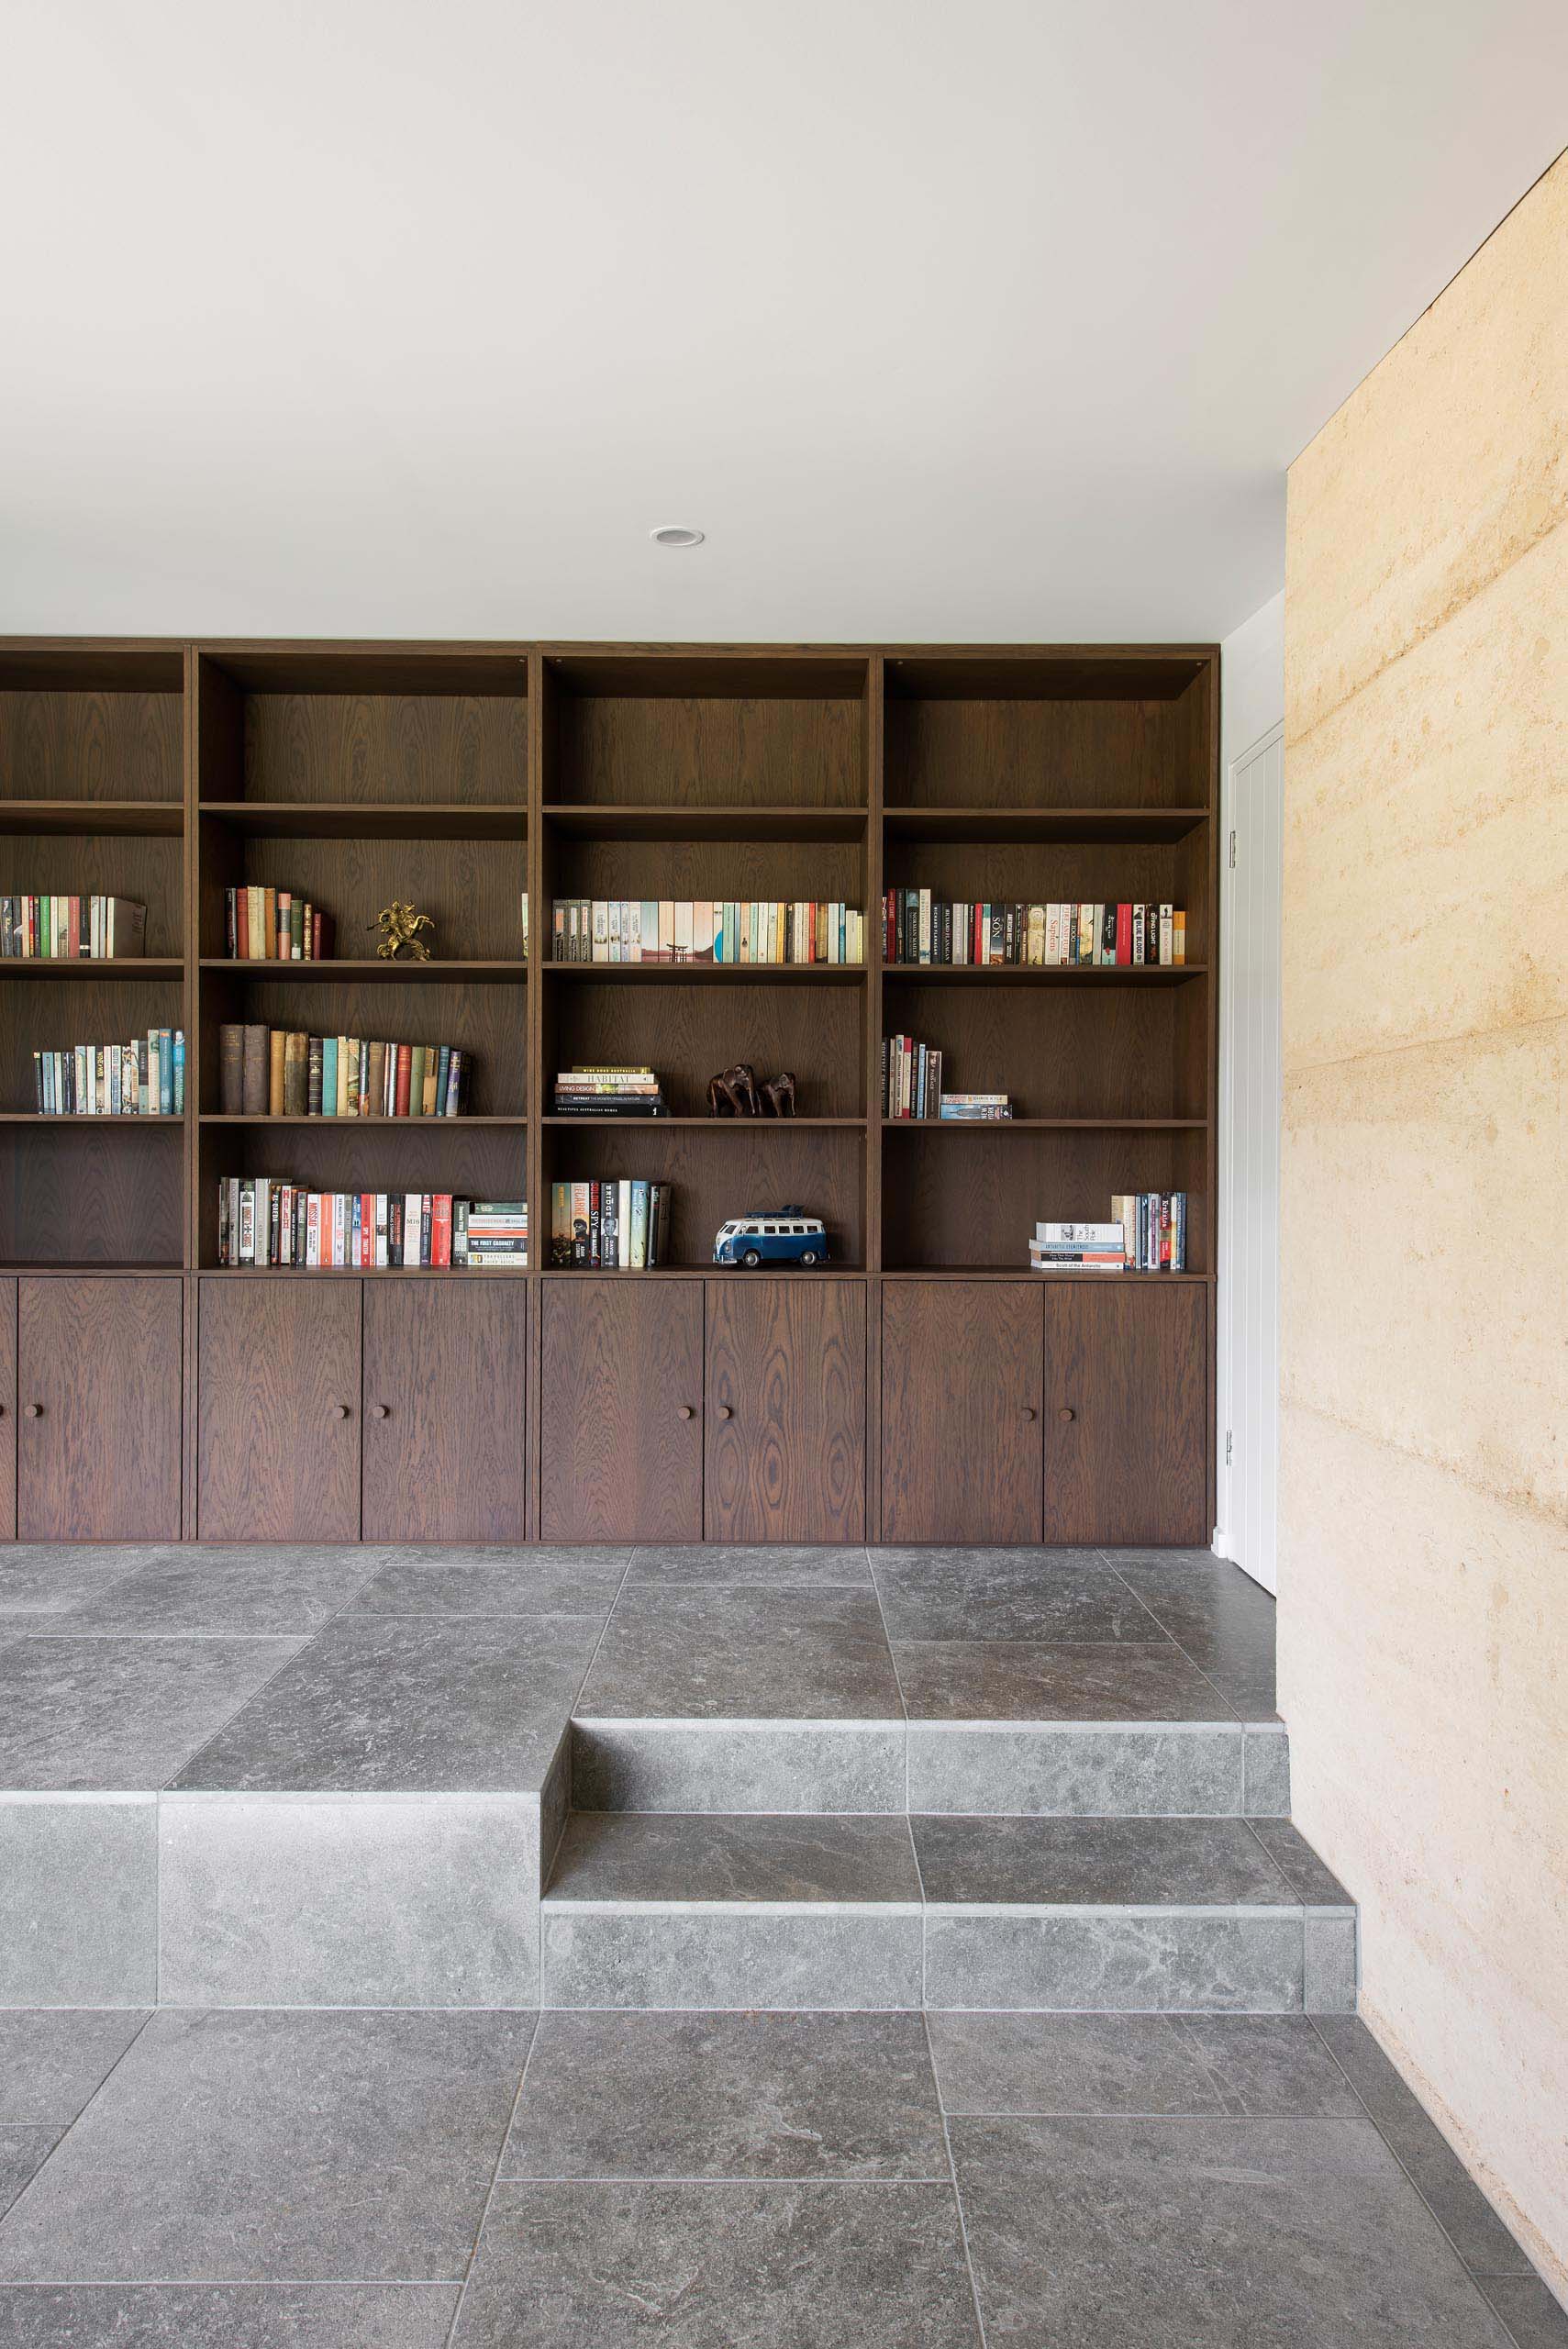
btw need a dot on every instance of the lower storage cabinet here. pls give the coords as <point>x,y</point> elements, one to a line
<point>962,1392</point>
<point>278,1408</point>
<point>99,1427</point>
<point>785,1404</point>
<point>621,1410</point>
<point>445,1386</point>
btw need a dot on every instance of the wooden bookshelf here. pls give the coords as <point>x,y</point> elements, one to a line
<point>460,775</point>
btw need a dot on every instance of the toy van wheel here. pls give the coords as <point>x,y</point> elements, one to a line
<point>809,1257</point>
<point>753,1258</point>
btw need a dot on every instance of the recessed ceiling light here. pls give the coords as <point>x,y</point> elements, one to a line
<point>675,534</point>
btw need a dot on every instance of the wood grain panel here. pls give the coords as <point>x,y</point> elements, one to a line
<point>111,864</point>
<point>688,1032</point>
<point>1017,752</point>
<point>486,1018</point>
<point>1096,1051</point>
<point>49,1015</point>
<point>401,747</point>
<point>444,1399</point>
<point>740,869</point>
<point>1012,872</point>
<point>732,1167</point>
<point>91,745</point>
<point>279,1360</point>
<point>108,1192</point>
<point>349,1155</point>
<point>715,750</point>
<point>7,1410</point>
<point>621,1361</point>
<point>99,1374</point>
<point>1131,1367</point>
<point>471,889</point>
<point>786,1361</point>
<point>971,1194</point>
<point>961,1395</point>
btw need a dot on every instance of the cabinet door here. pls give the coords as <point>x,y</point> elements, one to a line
<point>961,1380</point>
<point>278,1409</point>
<point>1127,1431</point>
<point>446,1369</point>
<point>621,1410</point>
<point>785,1443</point>
<point>98,1371</point>
<point>7,1410</point>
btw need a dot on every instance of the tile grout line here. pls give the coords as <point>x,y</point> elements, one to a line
<point>1414,2183</point>
<point>953,2173</point>
<point>494,2180</point>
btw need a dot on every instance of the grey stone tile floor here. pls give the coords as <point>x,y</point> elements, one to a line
<point>379,1670</point>
<point>332,2180</point>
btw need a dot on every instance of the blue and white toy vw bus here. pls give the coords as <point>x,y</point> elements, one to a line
<point>776,1236</point>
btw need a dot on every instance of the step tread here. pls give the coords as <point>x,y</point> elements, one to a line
<point>667,1859</point>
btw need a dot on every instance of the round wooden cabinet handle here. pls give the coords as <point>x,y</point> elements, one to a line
<point>35,1410</point>
<point>685,1410</point>
<point>1029,1410</point>
<point>339,1410</point>
<point>725,1412</point>
<point>380,1411</point>
<point>1064,1414</point>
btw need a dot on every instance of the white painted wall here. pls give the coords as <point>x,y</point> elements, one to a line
<point>1247,1383</point>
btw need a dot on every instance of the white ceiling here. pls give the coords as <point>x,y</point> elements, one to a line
<point>985,321</point>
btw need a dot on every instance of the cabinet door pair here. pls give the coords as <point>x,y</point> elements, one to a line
<point>1045,1412</point>
<point>682,1410</point>
<point>332,1411</point>
<point>91,1412</point>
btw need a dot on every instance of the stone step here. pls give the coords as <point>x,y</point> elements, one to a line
<point>1087,1914</point>
<point>1046,1768</point>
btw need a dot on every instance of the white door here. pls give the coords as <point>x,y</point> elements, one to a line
<point>1250,1135</point>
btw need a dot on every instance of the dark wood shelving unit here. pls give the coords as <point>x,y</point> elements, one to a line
<point>462,776</point>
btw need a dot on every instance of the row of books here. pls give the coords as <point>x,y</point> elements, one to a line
<point>919,926</point>
<point>88,930</point>
<point>1148,1233</point>
<point>263,1220</point>
<point>284,1073</point>
<point>263,925</point>
<point>611,1225</point>
<point>707,930</point>
<point>143,1078</point>
<point>912,1088</point>
<point>595,1092</point>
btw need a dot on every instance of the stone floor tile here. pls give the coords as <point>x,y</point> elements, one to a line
<point>78,1899</point>
<point>494,1582</point>
<point>780,1564</point>
<point>246,1591</point>
<point>276,2145</point>
<point>52,2058</point>
<point>1535,2318</point>
<point>1051,1596</point>
<point>989,2063</point>
<point>376,1704</point>
<point>23,2153</point>
<point>1039,1680</point>
<point>120,1713</point>
<point>48,1577</point>
<point>1095,1862</point>
<point>743,1653</point>
<point>1269,2066</point>
<point>759,2095</point>
<point>650,1856</point>
<point>1238,2233</point>
<point>227,2316</point>
<point>1478,2234</point>
<point>825,2266</point>
<point>1219,1618</point>
<point>1315,1886</point>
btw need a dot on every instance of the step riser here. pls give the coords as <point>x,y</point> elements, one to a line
<point>692,1956</point>
<point>1041,1769</point>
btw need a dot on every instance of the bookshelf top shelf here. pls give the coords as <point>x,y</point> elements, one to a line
<point>83,819</point>
<point>605,822</point>
<point>371,820</point>
<point>1049,975</point>
<point>370,967</point>
<point>1123,827</point>
<point>713,973</point>
<point>101,966</point>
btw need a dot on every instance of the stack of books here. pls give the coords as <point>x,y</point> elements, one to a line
<point>1077,1247</point>
<point>608,1092</point>
<point>145,1078</point>
<point>1154,1227</point>
<point>975,1109</point>
<point>275,926</point>
<point>707,930</point>
<point>491,1232</point>
<point>88,930</point>
<point>609,1226</point>
<point>264,1220</point>
<point>920,928</point>
<point>284,1073</point>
